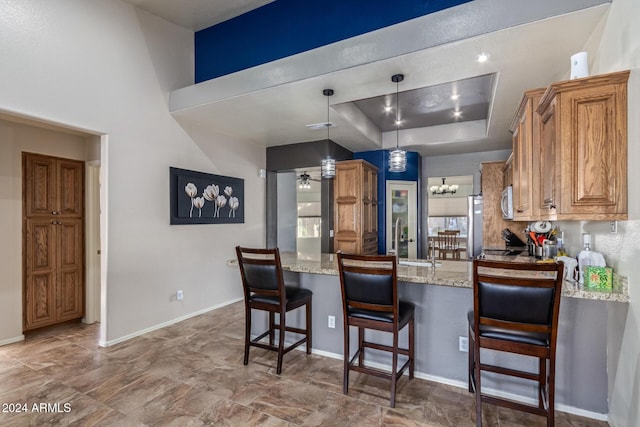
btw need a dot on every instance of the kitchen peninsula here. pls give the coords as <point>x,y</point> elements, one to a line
<point>442,298</point>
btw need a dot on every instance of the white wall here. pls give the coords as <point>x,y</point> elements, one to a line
<point>615,46</point>
<point>100,65</point>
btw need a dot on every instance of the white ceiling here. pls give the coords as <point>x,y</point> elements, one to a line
<point>271,104</point>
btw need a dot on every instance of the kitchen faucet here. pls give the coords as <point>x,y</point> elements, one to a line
<point>397,236</point>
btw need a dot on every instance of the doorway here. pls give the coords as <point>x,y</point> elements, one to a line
<point>402,208</point>
<point>31,134</point>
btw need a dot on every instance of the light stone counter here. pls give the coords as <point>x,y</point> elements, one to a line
<point>450,273</point>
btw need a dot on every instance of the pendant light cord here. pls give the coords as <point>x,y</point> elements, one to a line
<point>397,78</point>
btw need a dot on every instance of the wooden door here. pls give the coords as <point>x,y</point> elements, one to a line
<point>53,224</point>
<point>70,289</point>
<point>40,274</point>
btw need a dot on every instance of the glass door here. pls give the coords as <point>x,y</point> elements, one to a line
<point>402,202</point>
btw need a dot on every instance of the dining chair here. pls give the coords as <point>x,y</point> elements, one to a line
<point>515,310</point>
<point>264,289</point>
<point>448,244</point>
<point>370,300</point>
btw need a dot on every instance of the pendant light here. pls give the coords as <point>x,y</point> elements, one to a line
<point>397,157</point>
<point>328,168</point>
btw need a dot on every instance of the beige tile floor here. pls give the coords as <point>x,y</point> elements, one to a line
<point>191,374</point>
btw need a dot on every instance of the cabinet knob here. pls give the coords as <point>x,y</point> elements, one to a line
<point>55,213</point>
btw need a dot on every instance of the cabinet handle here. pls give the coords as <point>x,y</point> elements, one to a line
<point>55,213</point>
<point>552,206</point>
<point>519,210</point>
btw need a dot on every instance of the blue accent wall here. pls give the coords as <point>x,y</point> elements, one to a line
<point>380,159</point>
<point>287,27</point>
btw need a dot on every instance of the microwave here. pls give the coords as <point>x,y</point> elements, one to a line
<point>506,203</point>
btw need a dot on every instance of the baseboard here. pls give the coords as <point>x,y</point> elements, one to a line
<point>463,385</point>
<point>12,340</point>
<point>165,324</point>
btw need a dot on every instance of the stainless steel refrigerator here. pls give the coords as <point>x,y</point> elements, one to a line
<point>474,226</point>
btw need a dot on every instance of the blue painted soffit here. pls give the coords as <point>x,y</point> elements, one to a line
<point>471,19</point>
<point>287,27</point>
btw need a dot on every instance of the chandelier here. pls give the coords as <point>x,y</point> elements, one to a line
<point>444,188</point>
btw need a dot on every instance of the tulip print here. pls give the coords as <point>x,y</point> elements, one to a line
<point>220,202</point>
<point>228,191</point>
<point>233,205</point>
<point>198,202</point>
<point>191,191</point>
<point>211,193</point>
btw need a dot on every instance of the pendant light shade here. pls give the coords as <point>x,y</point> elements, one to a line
<point>328,168</point>
<point>398,161</point>
<point>397,157</point>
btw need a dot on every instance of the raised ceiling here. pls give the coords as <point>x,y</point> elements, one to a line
<point>529,44</point>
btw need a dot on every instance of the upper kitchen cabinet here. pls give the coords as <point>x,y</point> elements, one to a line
<point>525,136</point>
<point>583,149</point>
<point>355,209</point>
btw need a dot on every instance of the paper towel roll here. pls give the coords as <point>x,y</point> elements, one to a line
<point>579,65</point>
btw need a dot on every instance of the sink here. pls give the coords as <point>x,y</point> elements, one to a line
<point>419,263</point>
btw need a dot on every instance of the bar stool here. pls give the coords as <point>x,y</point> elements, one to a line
<point>515,310</point>
<point>370,301</point>
<point>264,289</point>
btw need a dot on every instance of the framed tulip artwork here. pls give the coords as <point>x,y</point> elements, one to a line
<point>204,198</point>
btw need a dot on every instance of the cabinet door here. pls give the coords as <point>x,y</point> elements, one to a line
<point>593,152</point>
<point>522,170</point>
<point>547,177</point>
<point>39,185</point>
<point>40,278</point>
<point>70,188</point>
<point>70,269</point>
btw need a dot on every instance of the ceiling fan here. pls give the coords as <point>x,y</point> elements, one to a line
<point>305,181</point>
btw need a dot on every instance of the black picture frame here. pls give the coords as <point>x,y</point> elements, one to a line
<point>197,198</point>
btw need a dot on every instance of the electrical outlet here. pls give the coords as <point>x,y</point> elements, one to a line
<point>331,322</point>
<point>614,227</point>
<point>179,295</point>
<point>463,344</point>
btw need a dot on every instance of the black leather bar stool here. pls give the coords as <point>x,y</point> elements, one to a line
<point>370,301</point>
<point>515,310</point>
<point>264,289</point>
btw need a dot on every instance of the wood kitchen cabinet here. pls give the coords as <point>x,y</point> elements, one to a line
<point>526,165</point>
<point>355,207</point>
<point>53,230</point>
<point>583,149</point>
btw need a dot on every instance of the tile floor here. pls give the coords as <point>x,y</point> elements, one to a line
<point>191,374</point>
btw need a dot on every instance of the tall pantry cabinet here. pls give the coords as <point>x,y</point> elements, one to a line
<point>53,240</point>
<point>355,208</point>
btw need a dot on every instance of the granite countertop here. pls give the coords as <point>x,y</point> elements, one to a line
<point>448,273</point>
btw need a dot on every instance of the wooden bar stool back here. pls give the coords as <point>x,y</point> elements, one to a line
<point>515,310</point>
<point>370,301</point>
<point>264,289</point>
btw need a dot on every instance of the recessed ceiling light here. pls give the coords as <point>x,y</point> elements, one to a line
<point>483,57</point>
<point>455,96</point>
<point>387,109</point>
